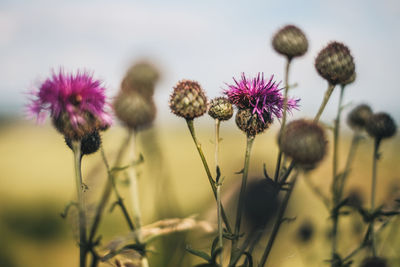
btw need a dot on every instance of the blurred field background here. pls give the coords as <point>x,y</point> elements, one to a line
<point>37,182</point>
<point>209,41</point>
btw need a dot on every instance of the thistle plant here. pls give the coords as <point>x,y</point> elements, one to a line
<point>76,103</point>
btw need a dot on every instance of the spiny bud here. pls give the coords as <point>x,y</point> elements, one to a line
<point>359,116</point>
<point>220,108</point>
<point>335,63</point>
<point>381,125</point>
<point>304,141</point>
<point>261,201</point>
<point>188,100</point>
<point>290,41</point>
<point>141,78</point>
<point>89,143</point>
<point>374,262</point>
<point>134,110</point>
<point>251,123</point>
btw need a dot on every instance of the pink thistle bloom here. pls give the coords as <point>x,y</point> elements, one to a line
<point>76,98</point>
<point>264,98</point>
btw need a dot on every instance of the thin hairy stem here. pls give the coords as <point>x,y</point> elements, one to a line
<point>218,185</point>
<point>76,145</point>
<point>240,206</point>
<point>373,190</point>
<point>279,220</point>
<point>335,178</point>
<point>208,172</point>
<point>328,94</point>
<point>283,123</point>
<point>217,124</point>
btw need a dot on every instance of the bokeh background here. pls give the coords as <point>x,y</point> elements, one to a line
<point>208,41</point>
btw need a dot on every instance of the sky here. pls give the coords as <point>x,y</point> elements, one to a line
<point>210,41</point>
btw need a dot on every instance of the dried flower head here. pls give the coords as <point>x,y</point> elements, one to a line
<point>374,262</point>
<point>290,41</point>
<point>304,141</point>
<point>188,100</point>
<point>221,109</point>
<point>381,125</point>
<point>251,123</point>
<point>263,98</point>
<point>335,63</point>
<point>134,110</point>
<point>359,116</point>
<point>75,103</point>
<point>141,78</point>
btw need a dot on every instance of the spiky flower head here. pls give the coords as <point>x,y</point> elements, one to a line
<point>188,100</point>
<point>290,41</point>
<point>141,78</point>
<point>134,110</point>
<point>304,141</point>
<point>381,125</point>
<point>374,262</point>
<point>335,63</point>
<point>359,116</point>
<point>264,98</point>
<point>76,104</point>
<point>250,123</point>
<point>220,108</point>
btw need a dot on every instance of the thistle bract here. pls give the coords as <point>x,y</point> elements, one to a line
<point>264,98</point>
<point>75,102</point>
<point>89,144</point>
<point>250,123</point>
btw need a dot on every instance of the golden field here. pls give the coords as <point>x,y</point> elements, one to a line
<point>37,182</point>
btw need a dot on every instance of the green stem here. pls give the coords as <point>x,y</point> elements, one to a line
<point>76,145</point>
<point>108,187</point>
<point>328,94</point>
<point>279,159</point>
<point>208,172</point>
<point>279,220</point>
<point>219,184</point>
<point>240,206</point>
<point>373,190</point>
<point>335,178</point>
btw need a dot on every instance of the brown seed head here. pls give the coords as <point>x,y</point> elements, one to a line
<point>290,41</point>
<point>304,141</point>
<point>335,63</point>
<point>381,125</point>
<point>359,116</point>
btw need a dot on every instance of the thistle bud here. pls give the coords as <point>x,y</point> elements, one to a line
<point>188,100</point>
<point>359,116</point>
<point>304,141</point>
<point>261,201</point>
<point>374,262</point>
<point>89,143</point>
<point>290,41</point>
<point>381,125</point>
<point>220,108</point>
<point>251,123</point>
<point>141,78</point>
<point>335,63</point>
<point>134,110</point>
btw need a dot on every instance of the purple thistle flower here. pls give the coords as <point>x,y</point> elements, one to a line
<point>264,98</point>
<point>79,97</point>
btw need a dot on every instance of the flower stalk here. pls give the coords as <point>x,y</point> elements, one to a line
<point>327,95</point>
<point>218,185</point>
<point>76,145</point>
<point>373,191</point>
